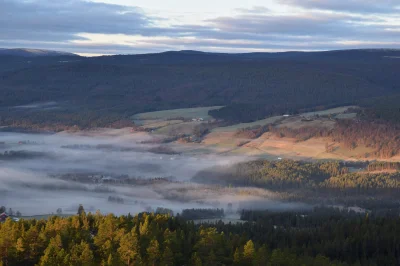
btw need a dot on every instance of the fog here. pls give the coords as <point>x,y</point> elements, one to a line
<point>45,172</point>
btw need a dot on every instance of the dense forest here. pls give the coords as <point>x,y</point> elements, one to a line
<point>319,237</point>
<point>250,86</point>
<point>382,108</point>
<point>286,175</point>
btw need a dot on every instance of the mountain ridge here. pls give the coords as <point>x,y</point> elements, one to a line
<point>28,52</point>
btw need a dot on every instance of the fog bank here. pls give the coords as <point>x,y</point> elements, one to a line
<point>110,170</point>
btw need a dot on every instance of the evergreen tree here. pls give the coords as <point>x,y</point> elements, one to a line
<point>167,258</point>
<point>153,252</point>
<point>195,260</point>
<point>54,255</point>
<point>81,210</point>
<point>129,249</point>
<point>249,252</point>
<point>261,257</point>
<point>237,257</point>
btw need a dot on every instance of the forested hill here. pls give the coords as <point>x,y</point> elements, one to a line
<point>322,237</point>
<point>260,83</point>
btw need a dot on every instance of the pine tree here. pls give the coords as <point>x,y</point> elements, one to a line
<point>195,260</point>
<point>144,227</point>
<point>261,257</point>
<point>129,248</point>
<point>81,210</point>
<point>86,257</point>
<point>249,252</point>
<point>237,257</point>
<point>167,257</point>
<point>211,259</point>
<point>6,241</point>
<point>153,252</point>
<point>54,254</point>
<point>81,254</point>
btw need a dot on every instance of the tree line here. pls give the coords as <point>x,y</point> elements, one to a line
<point>285,175</point>
<point>319,237</point>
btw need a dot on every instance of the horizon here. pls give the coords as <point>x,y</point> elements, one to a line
<point>105,27</point>
<point>199,51</point>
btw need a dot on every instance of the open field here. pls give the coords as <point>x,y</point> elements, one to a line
<point>222,140</point>
<point>263,122</point>
<point>346,116</point>
<point>178,128</point>
<point>272,147</point>
<point>187,113</point>
<point>154,124</point>
<point>296,122</point>
<point>333,111</point>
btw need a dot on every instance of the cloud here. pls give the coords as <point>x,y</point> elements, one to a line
<point>301,24</point>
<point>254,10</point>
<point>352,6</point>
<point>61,20</point>
<point>99,28</point>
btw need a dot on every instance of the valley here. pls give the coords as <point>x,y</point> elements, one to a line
<point>199,133</point>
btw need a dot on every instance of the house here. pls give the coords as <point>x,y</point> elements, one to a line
<point>3,217</point>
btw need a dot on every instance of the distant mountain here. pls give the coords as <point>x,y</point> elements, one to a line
<point>25,52</point>
<point>250,86</point>
<point>196,57</point>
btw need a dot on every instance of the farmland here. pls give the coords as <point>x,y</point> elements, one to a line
<point>224,140</point>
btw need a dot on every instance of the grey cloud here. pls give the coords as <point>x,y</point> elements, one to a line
<point>307,24</point>
<point>61,20</point>
<point>55,24</point>
<point>353,6</point>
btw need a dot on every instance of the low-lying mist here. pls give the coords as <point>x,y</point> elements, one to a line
<point>111,170</point>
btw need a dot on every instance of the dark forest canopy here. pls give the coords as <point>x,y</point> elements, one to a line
<point>286,175</point>
<point>319,237</point>
<point>251,86</point>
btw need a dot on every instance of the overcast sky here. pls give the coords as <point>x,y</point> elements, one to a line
<point>142,26</point>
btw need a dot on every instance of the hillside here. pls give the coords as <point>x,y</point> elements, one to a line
<point>25,52</point>
<point>250,86</point>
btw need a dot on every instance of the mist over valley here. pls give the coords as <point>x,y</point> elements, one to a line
<point>40,173</point>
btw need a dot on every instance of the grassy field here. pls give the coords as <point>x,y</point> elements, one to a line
<point>222,140</point>
<point>263,122</point>
<point>333,111</point>
<point>346,116</point>
<point>296,122</point>
<point>178,128</point>
<point>155,124</point>
<point>187,113</point>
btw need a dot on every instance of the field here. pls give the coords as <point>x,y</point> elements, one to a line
<point>187,113</point>
<point>178,128</point>
<point>297,122</point>
<point>222,140</point>
<point>263,122</point>
<point>333,111</point>
<point>172,122</point>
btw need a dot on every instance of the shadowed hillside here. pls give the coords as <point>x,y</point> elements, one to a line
<point>251,86</point>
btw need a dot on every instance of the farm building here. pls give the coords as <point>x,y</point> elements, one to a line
<point>3,217</point>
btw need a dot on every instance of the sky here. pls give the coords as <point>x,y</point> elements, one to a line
<point>145,26</point>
